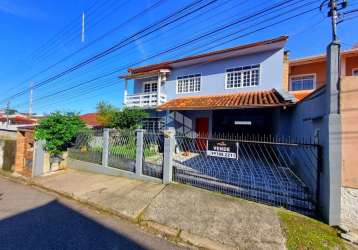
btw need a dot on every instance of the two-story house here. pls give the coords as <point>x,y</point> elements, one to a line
<point>307,80</point>
<point>235,90</point>
<point>309,73</point>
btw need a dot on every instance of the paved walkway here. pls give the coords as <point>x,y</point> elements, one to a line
<point>33,219</point>
<point>186,213</point>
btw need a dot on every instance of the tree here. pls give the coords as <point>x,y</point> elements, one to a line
<point>58,130</point>
<point>106,113</point>
<point>127,118</point>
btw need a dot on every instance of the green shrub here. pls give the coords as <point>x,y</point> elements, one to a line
<point>59,130</point>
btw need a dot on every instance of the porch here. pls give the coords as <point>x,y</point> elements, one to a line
<point>147,89</point>
<point>260,161</point>
<point>144,100</point>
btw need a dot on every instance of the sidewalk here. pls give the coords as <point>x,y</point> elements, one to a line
<point>202,218</point>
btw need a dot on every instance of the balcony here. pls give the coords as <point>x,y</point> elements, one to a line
<point>144,100</point>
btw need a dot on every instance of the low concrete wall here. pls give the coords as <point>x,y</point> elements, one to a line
<point>96,168</point>
<point>349,214</point>
<point>7,154</point>
<point>7,134</point>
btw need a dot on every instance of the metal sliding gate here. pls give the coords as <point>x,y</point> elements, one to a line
<point>281,173</point>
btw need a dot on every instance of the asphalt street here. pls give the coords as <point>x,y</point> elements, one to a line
<point>34,219</point>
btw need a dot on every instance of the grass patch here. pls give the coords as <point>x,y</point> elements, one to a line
<point>127,151</point>
<point>305,233</point>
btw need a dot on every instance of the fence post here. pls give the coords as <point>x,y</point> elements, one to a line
<point>169,144</point>
<point>105,149</point>
<point>38,159</point>
<point>139,152</point>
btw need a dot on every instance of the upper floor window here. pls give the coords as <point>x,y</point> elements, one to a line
<point>355,72</point>
<point>246,76</point>
<point>188,84</point>
<point>303,82</point>
<point>150,86</point>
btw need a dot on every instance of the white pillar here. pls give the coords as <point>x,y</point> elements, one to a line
<point>169,148</point>
<point>158,88</point>
<point>125,91</point>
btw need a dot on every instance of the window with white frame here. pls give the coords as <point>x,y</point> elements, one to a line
<point>355,72</point>
<point>188,84</point>
<point>303,82</point>
<point>246,76</point>
<point>150,86</point>
<point>153,124</point>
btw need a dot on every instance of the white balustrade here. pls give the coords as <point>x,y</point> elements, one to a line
<point>144,100</point>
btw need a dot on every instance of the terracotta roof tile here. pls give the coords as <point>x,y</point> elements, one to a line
<point>90,119</point>
<point>254,99</point>
<point>301,94</point>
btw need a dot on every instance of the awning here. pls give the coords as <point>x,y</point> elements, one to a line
<point>254,99</point>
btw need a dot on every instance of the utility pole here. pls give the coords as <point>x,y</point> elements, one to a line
<point>30,100</point>
<point>331,127</point>
<point>333,61</point>
<point>7,113</point>
<point>83,28</point>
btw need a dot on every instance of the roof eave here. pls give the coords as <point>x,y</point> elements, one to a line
<point>280,39</point>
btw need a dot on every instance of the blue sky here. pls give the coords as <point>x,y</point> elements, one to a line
<point>38,34</point>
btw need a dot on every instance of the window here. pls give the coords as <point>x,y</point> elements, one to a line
<point>246,76</point>
<point>303,82</point>
<point>355,72</point>
<point>150,86</point>
<point>188,84</point>
<point>153,124</point>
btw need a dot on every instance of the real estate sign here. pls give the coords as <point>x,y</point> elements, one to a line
<point>222,148</point>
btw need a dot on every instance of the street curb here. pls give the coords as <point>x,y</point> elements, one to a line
<point>176,235</point>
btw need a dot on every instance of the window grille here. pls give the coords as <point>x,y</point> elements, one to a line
<point>246,76</point>
<point>188,84</point>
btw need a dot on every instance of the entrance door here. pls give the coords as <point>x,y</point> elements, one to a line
<point>202,130</point>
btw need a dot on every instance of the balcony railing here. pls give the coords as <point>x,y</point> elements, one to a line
<point>145,100</point>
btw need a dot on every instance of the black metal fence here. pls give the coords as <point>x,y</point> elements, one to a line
<point>153,149</point>
<point>281,172</point>
<point>88,146</point>
<point>122,149</point>
<point>278,172</point>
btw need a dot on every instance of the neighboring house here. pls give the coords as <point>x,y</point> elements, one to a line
<point>235,90</point>
<point>91,120</point>
<point>15,120</point>
<point>309,73</point>
<point>254,89</point>
<point>307,80</point>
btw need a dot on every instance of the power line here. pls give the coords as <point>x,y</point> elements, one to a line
<point>67,32</point>
<point>150,29</point>
<point>146,59</point>
<point>301,13</point>
<point>240,20</point>
<point>156,4</point>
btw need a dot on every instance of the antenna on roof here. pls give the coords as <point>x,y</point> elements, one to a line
<point>30,99</point>
<point>83,28</point>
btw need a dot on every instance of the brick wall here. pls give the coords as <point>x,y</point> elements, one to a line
<point>24,147</point>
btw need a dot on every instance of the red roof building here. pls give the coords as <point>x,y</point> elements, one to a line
<point>91,120</point>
